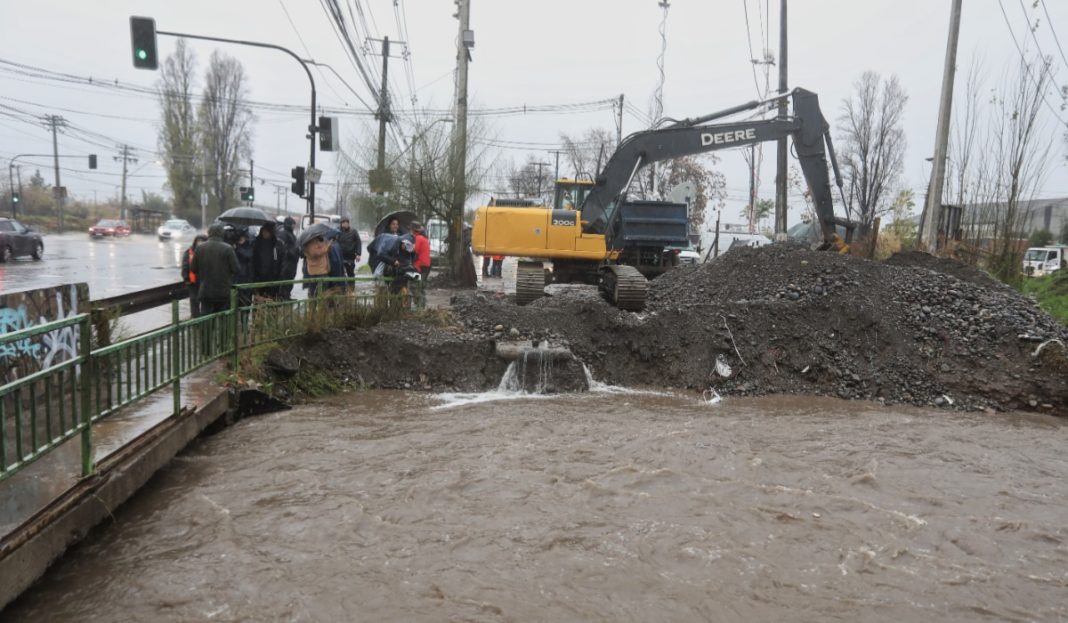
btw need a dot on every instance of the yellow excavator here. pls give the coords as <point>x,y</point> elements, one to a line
<point>592,233</point>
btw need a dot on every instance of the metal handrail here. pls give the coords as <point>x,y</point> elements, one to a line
<point>53,405</point>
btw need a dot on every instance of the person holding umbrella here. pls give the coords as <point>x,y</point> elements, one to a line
<point>322,256</point>
<point>267,256</point>
<point>290,256</point>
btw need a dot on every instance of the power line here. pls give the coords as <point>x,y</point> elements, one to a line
<point>1054,31</point>
<point>306,50</point>
<point>1026,65</point>
<point>749,39</point>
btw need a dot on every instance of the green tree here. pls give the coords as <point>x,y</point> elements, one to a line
<point>904,225</point>
<point>37,181</point>
<point>1040,238</point>
<point>178,131</point>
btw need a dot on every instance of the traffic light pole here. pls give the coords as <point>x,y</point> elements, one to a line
<point>11,165</point>
<point>311,127</point>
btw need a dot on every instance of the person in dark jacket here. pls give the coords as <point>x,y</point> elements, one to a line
<point>351,247</point>
<point>215,265</point>
<point>243,250</point>
<point>190,278</point>
<point>267,254</point>
<point>290,256</point>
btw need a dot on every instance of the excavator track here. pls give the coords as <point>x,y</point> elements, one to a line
<point>529,282</point>
<point>624,287</point>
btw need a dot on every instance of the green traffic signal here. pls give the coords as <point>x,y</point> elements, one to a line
<point>143,38</point>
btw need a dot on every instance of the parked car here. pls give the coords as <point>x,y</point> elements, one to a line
<point>1040,261</point>
<point>109,227</point>
<point>176,229</point>
<point>17,240</point>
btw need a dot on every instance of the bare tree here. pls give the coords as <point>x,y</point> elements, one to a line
<point>586,154</point>
<point>1017,149</point>
<point>710,186</point>
<point>532,179</point>
<point>424,179</point>
<point>873,154</point>
<point>178,131</point>
<point>225,122</point>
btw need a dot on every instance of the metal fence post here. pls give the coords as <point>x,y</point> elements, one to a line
<point>176,361</point>
<point>235,324</point>
<point>85,346</point>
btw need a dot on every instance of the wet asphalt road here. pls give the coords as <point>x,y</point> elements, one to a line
<point>111,266</point>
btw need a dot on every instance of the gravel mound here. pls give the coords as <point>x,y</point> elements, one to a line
<point>960,270</point>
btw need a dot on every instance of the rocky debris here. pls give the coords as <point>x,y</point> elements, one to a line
<point>960,270</point>
<point>789,320</point>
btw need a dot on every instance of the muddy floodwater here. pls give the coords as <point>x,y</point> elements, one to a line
<point>377,506</point>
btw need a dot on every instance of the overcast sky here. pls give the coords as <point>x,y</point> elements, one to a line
<point>532,53</point>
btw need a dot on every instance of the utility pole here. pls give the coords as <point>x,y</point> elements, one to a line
<point>752,189</point>
<point>464,42</point>
<point>125,157</point>
<point>556,170</point>
<point>383,113</point>
<point>781,150</point>
<point>57,188</point>
<point>933,208</point>
<point>619,123</point>
<point>540,166</point>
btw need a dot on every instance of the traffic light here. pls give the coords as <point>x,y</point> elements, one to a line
<point>16,197</point>
<point>298,181</point>
<point>248,193</point>
<point>92,161</point>
<point>143,35</point>
<point>328,134</point>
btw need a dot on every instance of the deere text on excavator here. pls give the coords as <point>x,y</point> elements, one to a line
<point>592,233</point>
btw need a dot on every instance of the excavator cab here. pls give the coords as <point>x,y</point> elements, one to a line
<point>570,193</point>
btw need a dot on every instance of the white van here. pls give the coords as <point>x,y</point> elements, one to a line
<point>1040,261</point>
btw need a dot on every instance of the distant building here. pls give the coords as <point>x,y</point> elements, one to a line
<point>977,222</point>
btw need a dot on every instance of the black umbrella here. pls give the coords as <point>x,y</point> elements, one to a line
<point>405,217</point>
<point>315,230</point>
<point>245,216</point>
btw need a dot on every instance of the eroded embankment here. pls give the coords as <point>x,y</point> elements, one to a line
<point>778,319</point>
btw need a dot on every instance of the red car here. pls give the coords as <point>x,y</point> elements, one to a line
<point>109,227</point>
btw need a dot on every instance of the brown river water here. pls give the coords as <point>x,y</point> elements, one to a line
<point>377,506</point>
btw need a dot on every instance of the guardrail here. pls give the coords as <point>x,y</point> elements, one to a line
<point>43,410</point>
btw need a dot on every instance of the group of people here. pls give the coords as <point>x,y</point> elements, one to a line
<point>226,257</point>
<point>213,264</point>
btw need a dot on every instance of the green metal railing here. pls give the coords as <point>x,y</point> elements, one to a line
<point>49,407</point>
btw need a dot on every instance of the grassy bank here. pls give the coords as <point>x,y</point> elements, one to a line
<point>1051,292</point>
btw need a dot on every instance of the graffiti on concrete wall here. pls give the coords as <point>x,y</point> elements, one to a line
<point>24,310</point>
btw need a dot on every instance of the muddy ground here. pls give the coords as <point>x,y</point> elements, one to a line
<point>775,320</point>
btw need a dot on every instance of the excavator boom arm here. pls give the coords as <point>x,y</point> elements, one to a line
<point>808,128</point>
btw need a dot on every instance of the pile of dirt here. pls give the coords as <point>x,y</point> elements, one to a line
<point>960,270</point>
<point>774,319</point>
<point>788,320</point>
<point>414,354</point>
